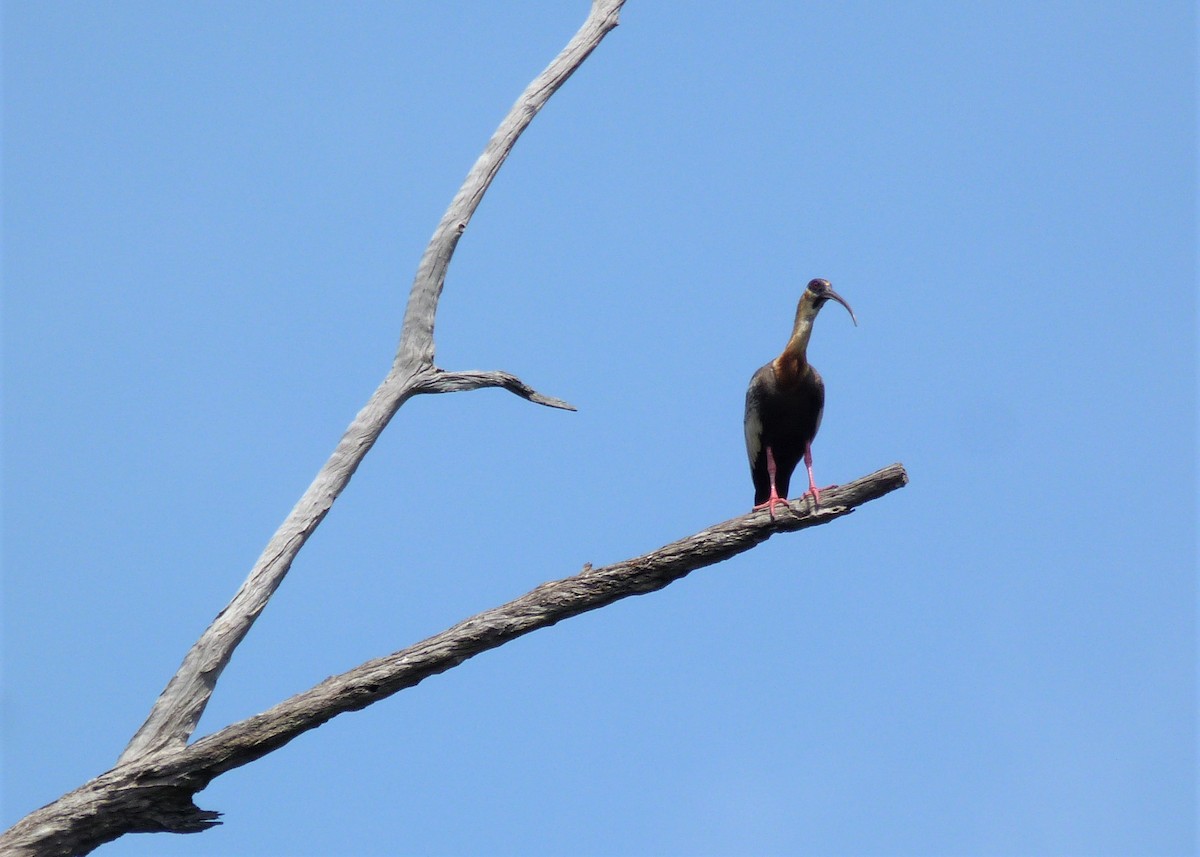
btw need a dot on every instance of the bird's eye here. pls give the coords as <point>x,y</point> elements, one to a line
<point>818,286</point>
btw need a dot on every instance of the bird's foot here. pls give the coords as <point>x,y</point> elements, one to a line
<point>815,493</point>
<point>773,501</point>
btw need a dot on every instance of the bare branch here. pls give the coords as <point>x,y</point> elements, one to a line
<point>545,605</point>
<point>416,341</point>
<point>452,382</point>
<point>175,714</point>
<point>132,797</point>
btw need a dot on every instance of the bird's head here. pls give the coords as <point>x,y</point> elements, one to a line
<point>819,291</point>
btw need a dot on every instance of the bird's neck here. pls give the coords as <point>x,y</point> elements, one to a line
<point>796,351</point>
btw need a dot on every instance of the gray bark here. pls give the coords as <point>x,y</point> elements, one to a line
<point>154,793</point>
<point>151,788</point>
<point>175,714</point>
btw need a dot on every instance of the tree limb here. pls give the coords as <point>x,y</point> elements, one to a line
<point>452,382</point>
<point>174,716</point>
<point>152,787</point>
<point>154,793</point>
<point>416,339</point>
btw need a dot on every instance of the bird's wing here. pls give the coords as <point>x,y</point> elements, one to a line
<point>753,426</point>
<point>753,419</point>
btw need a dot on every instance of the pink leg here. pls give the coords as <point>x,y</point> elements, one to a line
<point>812,483</point>
<point>774,499</point>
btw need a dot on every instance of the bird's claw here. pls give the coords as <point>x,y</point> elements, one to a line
<point>815,493</point>
<point>770,505</point>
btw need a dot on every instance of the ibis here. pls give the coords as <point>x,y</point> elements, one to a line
<point>784,405</point>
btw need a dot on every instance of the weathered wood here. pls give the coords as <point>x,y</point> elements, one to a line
<point>416,338</point>
<point>154,793</point>
<point>453,382</point>
<point>152,787</point>
<point>174,716</point>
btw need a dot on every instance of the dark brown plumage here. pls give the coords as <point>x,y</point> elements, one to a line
<point>784,405</point>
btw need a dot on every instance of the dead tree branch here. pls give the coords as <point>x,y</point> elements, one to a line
<point>152,788</point>
<point>174,716</point>
<point>452,382</point>
<point>154,793</point>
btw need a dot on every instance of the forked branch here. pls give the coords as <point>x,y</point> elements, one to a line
<point>175,714</point>
<point>153,785</point>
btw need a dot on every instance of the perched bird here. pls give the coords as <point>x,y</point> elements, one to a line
<point>784,406</point>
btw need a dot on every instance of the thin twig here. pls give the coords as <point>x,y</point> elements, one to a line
<point>453,382</point>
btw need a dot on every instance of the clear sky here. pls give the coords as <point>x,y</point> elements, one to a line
<point>212,213</point>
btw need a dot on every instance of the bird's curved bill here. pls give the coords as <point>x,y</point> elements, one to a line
<point>835,296</point>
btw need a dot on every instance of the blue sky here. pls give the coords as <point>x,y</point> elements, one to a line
<point>212,214</point>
